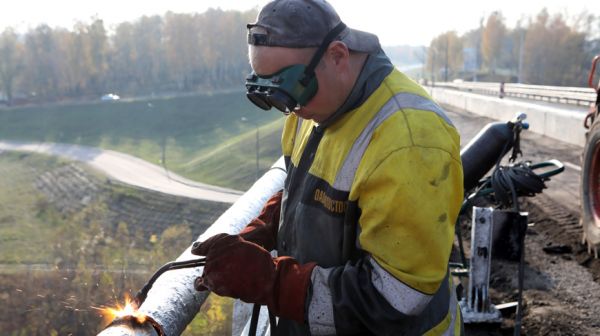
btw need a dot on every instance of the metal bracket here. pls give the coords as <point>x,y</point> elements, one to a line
<point>476,307</point>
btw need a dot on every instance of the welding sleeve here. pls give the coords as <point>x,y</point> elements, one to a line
<point>262,230</point>
<point>408,205</point>
<point>244,270</point>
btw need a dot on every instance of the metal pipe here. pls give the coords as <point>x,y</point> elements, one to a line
<point>127,327</point>
<point>172,302</point>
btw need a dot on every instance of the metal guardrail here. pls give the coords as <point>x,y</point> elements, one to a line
<point>558,94</point>
<point>172,303</point>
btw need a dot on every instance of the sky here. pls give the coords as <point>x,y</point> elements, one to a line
<point>395,22</point>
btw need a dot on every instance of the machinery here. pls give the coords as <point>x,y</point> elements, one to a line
<point>499,229</point>
<point>590,172</point>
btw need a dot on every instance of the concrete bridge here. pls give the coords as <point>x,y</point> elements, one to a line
<point>559,121</point>
<point>556,131</point>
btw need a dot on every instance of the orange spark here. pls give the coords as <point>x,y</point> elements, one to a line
<point>129,310</point>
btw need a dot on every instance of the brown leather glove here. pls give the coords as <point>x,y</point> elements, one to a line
<point>262,230</point>
<point>241,269</point>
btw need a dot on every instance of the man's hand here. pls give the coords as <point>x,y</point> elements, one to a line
<point>244,270</point>
<point>263,229</point>
<point>235,268</point>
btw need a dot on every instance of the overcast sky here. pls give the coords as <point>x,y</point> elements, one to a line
<point>395,22</point>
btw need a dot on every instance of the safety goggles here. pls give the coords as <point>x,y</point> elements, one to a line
<point>292,86</point>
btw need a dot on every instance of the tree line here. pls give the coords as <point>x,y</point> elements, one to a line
<point>545,50</point>
<point>207,51</point>
<point>168,53</point>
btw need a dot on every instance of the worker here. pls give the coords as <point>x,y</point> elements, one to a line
<point>364,226</point>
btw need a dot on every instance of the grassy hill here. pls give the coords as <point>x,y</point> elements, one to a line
<point>233,164</point>
<point>182,130</point>
<point>53,211</point>
<point>70,241</point>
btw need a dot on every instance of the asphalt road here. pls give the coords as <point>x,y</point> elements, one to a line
<point>130,170</point>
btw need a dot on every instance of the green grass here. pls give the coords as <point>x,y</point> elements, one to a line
<point>24,231</point>
<point>233,164</point>
<point>189,127</point>
<point>33,229</point>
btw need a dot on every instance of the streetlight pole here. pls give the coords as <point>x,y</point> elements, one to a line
<point>521,53</point>
<point>433,53</point>
<point>446,67</point>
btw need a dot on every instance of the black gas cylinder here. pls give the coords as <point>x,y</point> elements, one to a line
<point>484,150</point>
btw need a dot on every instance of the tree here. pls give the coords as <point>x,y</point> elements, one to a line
<point>554,53</point>
<point>173,240</point>
<point>472,51</point>
<point>149,64</point>
<point>96,47</point>
<point>174,52</point>
<point>445,56</point>
<point>183,47</point>
<point>10,61</point>
<point>72,68</point>
<point>224,51</point>
<point>41,62</point>
<point>492,40</point>
<point>122,58</point>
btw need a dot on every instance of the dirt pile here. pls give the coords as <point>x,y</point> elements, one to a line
<point>562,282</point>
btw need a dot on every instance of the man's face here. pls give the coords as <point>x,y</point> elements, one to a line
<point>269,60</point>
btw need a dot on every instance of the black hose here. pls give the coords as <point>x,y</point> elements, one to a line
<point>140,297</point>
<point>273,322</point>
<point>254,319</point>
<point>511,182</point>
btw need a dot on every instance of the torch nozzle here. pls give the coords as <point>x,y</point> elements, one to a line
<point>140,297</point>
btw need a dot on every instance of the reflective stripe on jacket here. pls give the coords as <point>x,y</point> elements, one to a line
<point>373,198</point>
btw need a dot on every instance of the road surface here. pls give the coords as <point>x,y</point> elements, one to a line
<point>129,169</point>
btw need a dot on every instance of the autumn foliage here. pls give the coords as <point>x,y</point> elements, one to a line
<point>169,53</point>
<point>546,49</point>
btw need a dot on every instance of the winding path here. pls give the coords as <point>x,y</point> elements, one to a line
<point>129,169</point>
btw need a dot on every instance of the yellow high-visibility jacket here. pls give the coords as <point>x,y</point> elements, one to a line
<point>373,198</point>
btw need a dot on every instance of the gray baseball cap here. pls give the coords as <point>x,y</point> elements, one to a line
<point>303,24</point>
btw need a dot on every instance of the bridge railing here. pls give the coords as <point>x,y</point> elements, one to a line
<point>559,94</point>
<point>172,303</point>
